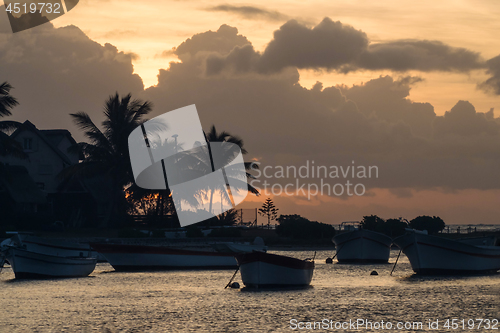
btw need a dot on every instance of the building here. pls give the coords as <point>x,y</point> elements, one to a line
<point>47,154</point>
<point>32,192</point>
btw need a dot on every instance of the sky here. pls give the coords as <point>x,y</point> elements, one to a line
<point>409,87</point>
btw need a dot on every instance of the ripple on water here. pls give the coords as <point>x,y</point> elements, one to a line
<point>176,301</point>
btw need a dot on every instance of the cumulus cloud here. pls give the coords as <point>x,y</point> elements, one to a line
<point>374,123</point>
<point>463,120</point>
<point>328,45</point>
<point>59,71</point>
<point>387,99</point>
<point>250,12</point>
<point>336,46</point>
<point>66,71</point>
<point>221,41</point>
<point>493,83</point>
<point>422,55</point>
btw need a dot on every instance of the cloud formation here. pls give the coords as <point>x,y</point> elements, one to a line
<point>421,55</point>
<point>258,97</point>
<point>221,41</point>
<point>250,12</point>
<point>493,83</point>
<point>335,46</point>
<point>66,71</point>
<point>374,123</point>
<point>328,45</point>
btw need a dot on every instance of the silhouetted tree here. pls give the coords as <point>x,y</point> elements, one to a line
<point>269,209</point>
<point>213,136</point>
<point>7,102</point>
<point>229,217</point>
<point>226,218</point>
<point>432,224</point>
<point>8,146</point>
<point>373,223</point>
<point>298,227</point>
<point>391,227</point>
<point>107,154</point>
<point>395,227</point>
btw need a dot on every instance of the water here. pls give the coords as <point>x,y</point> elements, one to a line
<point>195,301</point>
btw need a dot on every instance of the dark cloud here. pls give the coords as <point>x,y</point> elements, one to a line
<point>463,120</point>
<point>387,99</point>
<point>240,59</point>
<point>374,123</point>
<point>251,12</point>
<point>493,83</point>
<point>59,71</point>
<point>221,41</point>
<point>66,71</point>
<point>335,46</point>
<point>422,55</point>
<point>328,45</point>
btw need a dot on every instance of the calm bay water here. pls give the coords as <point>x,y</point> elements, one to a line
<point>195,301</point>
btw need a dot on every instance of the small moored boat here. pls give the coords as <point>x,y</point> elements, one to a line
<point>259,269</point>
<point>430,255</point>
<point>54,247</point>
<point>28,265</point>
<point>232,247</point>
<point>362,246</point>
<point>140,257</point>
<point>34,257</point>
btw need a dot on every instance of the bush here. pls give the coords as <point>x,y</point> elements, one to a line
<point>298,227</point>
<point>432,224</point>
<point>391,227</point>
<point>394,227</point>
<point>373,223</point>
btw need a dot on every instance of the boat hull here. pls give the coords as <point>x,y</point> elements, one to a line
<point>264,270</point>
<point>27,264</point>
<point>137,258</point>
<point>431,255</point>
<point>228,247</point>
<point>362,246</point>
<point>53,247</point>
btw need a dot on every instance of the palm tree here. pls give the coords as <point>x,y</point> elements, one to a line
<point>7,102</point>
<point>214,136</point>
<point>107,154</point>
<point>8,146</point>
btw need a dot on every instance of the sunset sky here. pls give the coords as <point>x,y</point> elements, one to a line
<point>392,74</point>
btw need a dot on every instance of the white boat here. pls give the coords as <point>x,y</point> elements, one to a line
<point>140,257</point>
<point>362,246</point>
<point>265,270</point>
<point>54,247</point>
<point>231,247</point>
<point>27,264</point>
<point>485,241</point>
<point>35,257</point>
<point>430,255</point>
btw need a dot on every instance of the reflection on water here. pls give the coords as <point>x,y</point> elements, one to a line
<point>176,301</point>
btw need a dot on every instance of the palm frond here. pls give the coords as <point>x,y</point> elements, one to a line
<point>7,102</point>
<point>9,125</point>
<point>84,122</point>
